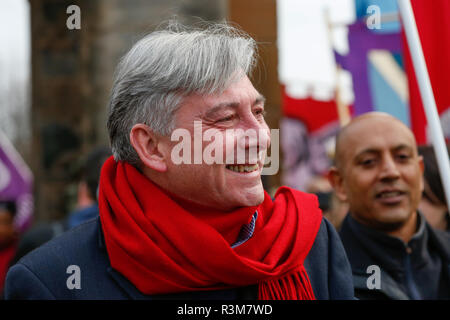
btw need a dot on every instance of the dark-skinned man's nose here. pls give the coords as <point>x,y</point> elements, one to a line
<point>389,168</point>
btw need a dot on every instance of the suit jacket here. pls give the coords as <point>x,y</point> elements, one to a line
<point>49,271</point>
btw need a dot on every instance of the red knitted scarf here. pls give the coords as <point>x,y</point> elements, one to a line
<point>162,247</point>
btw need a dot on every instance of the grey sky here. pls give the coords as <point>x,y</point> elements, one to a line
<point>15,39</point>
<point>14,65</point>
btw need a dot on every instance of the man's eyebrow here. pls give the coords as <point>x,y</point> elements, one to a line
<point>403,146</point>
<point>366,151</point>
<point>260,99</point>
<point>375,150</point>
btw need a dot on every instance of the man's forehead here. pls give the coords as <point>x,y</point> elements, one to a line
<point>233,103</point>
<point>379,148</point>
<point>374,133</point>
<point>238,93</point>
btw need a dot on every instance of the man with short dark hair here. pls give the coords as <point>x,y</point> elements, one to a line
<point>87,207</point>
<point>393,251</point>
<point>189,219</point>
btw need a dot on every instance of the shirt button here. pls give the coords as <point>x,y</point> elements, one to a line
<point>408,250</point>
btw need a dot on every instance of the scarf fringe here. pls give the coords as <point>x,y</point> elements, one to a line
<point>294,286</point>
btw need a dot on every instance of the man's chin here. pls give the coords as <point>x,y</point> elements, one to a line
<point>252,197</point>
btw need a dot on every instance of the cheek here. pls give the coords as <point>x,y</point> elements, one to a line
<point>359,190</point>
<point>229,147</point>
<point>415,182</point>
<point>265,137</point>
<point>361,184</point>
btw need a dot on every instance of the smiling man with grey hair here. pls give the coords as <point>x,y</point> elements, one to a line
<point>173,223</point>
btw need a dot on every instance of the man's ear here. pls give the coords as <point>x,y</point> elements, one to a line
<point>421,163</point>
<point>147,145</point>
<point>422,170</point>
<point>336,181</point>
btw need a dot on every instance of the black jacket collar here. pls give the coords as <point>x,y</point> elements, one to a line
<point>388,249</point>
<point>366,246</point>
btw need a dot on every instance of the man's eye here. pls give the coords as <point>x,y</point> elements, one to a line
<point>226,119</point>
<point>260,112</point>
<point>403,157</point>
<point>367,162</point>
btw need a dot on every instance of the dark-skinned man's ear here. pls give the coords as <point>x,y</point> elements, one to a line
<point>336,181</point>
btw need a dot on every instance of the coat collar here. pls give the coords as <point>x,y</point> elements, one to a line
<point>249,292</point>
<point>392,250</point>
<point>365,246</point>
<point>128,288</point>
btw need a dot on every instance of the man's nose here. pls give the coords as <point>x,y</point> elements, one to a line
<point>389,169</point>
<point>253,139</point>
<point>261,136</point>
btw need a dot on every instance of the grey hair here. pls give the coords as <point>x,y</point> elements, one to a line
<point>167,65</point>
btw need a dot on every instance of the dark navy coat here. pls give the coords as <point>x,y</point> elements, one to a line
<point>45,273</point>
<point>418,270</point>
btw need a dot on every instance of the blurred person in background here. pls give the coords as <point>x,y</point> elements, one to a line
<point>433,203</point>
<point>337,210</point>
<point>87,195</point>
<point>332,208</point>
<point>8,238</point>
<point>86,206</point>
<point>393,250</point>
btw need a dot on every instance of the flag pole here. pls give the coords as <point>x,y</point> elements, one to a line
<point>426,92</point>
<point>342,109</point>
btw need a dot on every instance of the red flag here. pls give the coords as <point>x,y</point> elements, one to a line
<point>313,113</point>
<point>431,19</point>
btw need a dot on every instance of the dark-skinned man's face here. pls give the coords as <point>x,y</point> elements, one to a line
<point>380,173</point>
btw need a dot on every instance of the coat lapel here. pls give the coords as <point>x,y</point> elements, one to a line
<point>127,287</point>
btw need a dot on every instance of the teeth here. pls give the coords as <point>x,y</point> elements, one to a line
<point>242,168</point>
<point>389,194</point>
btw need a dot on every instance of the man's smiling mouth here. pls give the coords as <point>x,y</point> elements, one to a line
<point>389,194</point>
<point>390,197</point>
<point>243,168</point>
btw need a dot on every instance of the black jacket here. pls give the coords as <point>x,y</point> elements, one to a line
<point>42,274</point>
<point>419,269</point>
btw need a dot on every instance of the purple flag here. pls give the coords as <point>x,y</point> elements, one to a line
<point>361,41</point>
<point>16,182</point>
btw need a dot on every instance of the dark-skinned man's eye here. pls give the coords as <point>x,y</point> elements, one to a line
<point>368,162</point>
<point>403,157</point>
